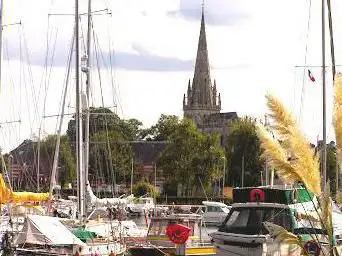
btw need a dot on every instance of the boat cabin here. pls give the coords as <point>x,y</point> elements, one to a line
<point>215,212</point>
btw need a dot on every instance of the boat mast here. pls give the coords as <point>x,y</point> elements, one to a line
<point>79,137</point>
<point>324,153</point>
<point>87,110</point>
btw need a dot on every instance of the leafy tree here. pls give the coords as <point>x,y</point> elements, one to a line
<point>67,171</point>
<point>142,188</point>
<point>331,166</point>
<point>243,150</point>
<point>162,129</point>
<point>110,156</point>
<point>109,148</point>
<point>103,120</point>
<point>191,158</point>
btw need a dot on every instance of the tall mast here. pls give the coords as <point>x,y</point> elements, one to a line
<point>324,153</point>
<point>79,138</point>
<point>87,70</point>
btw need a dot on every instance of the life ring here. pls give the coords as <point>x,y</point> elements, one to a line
<point>312,248</point>
<point>178,233</point>
<point>257,195</point>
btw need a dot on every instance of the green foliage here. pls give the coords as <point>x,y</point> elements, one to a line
<point>243,143</point>
<point>162,130</point>
<point>102,120</point>
<point>110,156</point>
<point>191,157</point>
<point>67,171</point>
<point>331,166</point>
<point>142,188</point>
<point>109,148</point>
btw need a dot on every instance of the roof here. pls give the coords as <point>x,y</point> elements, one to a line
<point>24,152</point>
<point>148,151</point>
<point>46,230</point>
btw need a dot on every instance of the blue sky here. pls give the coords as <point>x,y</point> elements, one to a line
<point>254,47</point>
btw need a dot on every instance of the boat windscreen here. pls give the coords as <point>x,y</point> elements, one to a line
<point>249,221</point>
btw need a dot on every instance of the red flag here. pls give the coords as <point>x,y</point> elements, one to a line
<point>311,76</point>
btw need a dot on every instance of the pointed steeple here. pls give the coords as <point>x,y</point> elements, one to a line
<point>202,81</point>
<point>201,94</point>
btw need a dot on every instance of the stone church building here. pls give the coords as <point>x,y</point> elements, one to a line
<point>202,102</point>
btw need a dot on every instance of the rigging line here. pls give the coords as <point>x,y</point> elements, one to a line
<point>47,85</point>
<point>44,76</point>
<point>30,74</point>
<point>65,81</point>
<point>62,109</point>
<point>111,64</point>
<point>305,61</point>
<point>83,38</point>
<point>112,171</point>
<point>20,80</point>
<point>115,86</point>
<point>5,45</point>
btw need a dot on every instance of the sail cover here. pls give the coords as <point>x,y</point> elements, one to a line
<point>45,230</point>
<point>92,200</point>
<point>7,196</point>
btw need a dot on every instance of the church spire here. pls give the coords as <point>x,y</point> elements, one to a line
<point>202,80</point>
<point>202,94</point>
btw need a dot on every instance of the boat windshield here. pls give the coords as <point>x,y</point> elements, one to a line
<point>225,209</point>
<point>249,220</point>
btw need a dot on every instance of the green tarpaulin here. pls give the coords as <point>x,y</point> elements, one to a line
<point>84,235</point>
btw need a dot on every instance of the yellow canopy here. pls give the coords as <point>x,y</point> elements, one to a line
<point>7,196</point>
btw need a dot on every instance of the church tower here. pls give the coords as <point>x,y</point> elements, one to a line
<point>201,99</point>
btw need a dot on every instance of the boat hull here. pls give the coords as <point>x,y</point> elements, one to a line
<point>50,253</point>
<point>161,251</point>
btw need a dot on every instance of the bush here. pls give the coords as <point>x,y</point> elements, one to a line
<point>142,188</point>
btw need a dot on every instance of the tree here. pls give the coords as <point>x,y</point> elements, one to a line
<point>104,120</point>
<point>143,188</point>
<point>67,170</point>
<point>109,144</point>
<point>162,129</point>
<point>110,156</point>
<point>331,166</point>
<point>191,158</point>
<point>243,153</point>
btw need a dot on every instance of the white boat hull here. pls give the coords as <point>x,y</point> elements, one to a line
<point>252,245</point>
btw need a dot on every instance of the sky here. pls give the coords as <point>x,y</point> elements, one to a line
<point>143,56</point>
